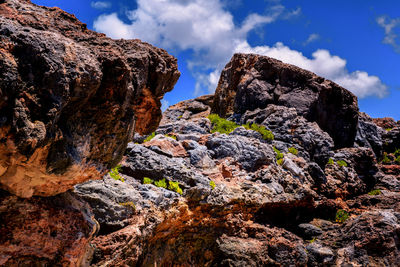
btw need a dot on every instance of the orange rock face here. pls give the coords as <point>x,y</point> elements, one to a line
<point>70,98</point>
<point>47,232</point>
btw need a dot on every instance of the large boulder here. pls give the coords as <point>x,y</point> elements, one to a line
<point>70,98</point>
<point>252,81</point>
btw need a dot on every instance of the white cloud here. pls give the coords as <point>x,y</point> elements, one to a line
<point>207,30</point>
<point>311,38</point>
<point>389,25</point>
<point>324,64</point>
<point>112,26</point>
<point>100,4</point>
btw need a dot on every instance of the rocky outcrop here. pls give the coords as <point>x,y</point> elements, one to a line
<point>70,98</point>
<point>54,231</point>
<point>251,81</point>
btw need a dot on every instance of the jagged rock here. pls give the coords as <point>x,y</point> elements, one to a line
<point>142,162</point>
<point>195,108</point>
<point>309,231</point>
<point>251,81</point>
<point>319,255</point>
<point>371,239</point>
<point>70,98</point>
<point>54,231</point>
<point>369,134</point>
<point>251,155</point>
<point>291,129</point>
<point>167,146</point>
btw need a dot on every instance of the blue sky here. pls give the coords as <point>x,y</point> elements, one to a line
<point>355,43</point>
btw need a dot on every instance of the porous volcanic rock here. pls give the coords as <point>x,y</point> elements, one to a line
<point>70,98</point>
<point>54,231</point>
<point>252,81</point>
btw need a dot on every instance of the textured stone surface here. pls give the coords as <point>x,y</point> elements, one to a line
<point>251,81</point>
<point>70,98</point>
<point>54,231</point>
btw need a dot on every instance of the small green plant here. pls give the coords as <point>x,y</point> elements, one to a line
<point>279,155</point>
<point>221,125</point>
<point>280,162</point>
<point>388,129</point>
<point>266,134</point>
<point>342,163</point>
<point>397,152</point>
<point>174,186</point>
<point>161,183</point>
<point>375,192</point>
<point>312,240</point>
<point>385,159</point>
<point>212,184</point>
<point>397,160</point>
<point>148,138</point>
<point>129,204</point>
<point>330,161</point>
<point>147,180</point>
<point>170,136</point>
<point>293,151</point>
<point>114,173</point>
<point>341,216</point>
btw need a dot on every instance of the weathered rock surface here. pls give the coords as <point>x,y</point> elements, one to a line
<point>251,81</point>
<point>54,231</point>
<point>70,98</point>
<point>324,191</point>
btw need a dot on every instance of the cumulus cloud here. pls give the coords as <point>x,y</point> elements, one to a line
<point>100,4</point>
<point>390,25</point>
<point>206,29</point>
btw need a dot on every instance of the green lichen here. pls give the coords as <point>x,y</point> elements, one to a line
<point>330,161</point>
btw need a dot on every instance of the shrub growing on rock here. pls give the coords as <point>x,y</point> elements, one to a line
<point>161,183</point>
<point>341,216</point>
<point>212,184</point>
<point>114,173</point>
<point>279,155</point>
<point>148,138</point>
<point>342,163</point>
<point>293,151</point>
<point>375,192</point>
<point>221,125</point>
<point>147,180</point>
<point>266,134</point>
<point>174,186</point>
<point>385,159</point>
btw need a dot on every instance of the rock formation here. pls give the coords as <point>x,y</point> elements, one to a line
<point>251,81</point>
<point>70,98</point>
<point>298,177</point>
